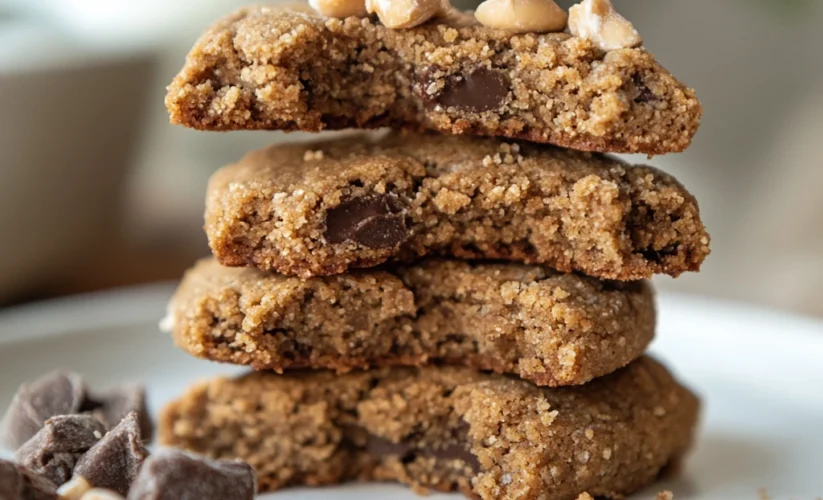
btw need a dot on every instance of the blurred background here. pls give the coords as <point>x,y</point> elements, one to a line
<point>98,191</point>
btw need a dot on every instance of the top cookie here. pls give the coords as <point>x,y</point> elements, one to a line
<point>288,68</point>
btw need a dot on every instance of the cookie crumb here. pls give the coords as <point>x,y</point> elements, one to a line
<point>665,495</point>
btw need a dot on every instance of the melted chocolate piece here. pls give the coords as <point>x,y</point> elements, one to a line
<point>375,221</point>
<point>57,393</point>
<point>654,255</point>
<point>54,451</point>
<point>175,475</point>
<point>407,451</point>
<point>644,93</point>
<point>18,483</point>
<point>481,90</point>
<point>114,461</point>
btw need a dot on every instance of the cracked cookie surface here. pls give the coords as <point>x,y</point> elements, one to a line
<point>326,207</point>
<point>546,327</point>
<point>288,68</point>
<point>447,428</point>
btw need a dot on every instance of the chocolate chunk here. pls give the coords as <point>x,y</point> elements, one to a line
<point>18,483</point>
<point>481,90</point>
<point>456,452</point>
<point>58,393</point>
<point>407,450</point>
<point>654,255</point>
<point>175,475</point>
<point>377,446</point>
<point>112,406</point>
<point>54,451</point>
<point>114,461</point>
<point>375,221</point>
<point>644,93</point>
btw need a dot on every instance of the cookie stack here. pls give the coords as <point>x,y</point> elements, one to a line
<point>455,311</point>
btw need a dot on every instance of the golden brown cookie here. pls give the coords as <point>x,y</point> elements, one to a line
<point>442,428</point>
<point>325,207</point>
<point>547,327</point>
<point>288,68</point>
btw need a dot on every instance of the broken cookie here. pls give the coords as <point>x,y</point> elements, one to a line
<point>326,207</point>
<point>287,68</point>
<point>547,327</point>
<point>442,428</point>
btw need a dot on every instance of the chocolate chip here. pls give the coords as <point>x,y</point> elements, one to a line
<point>112,406</point>
<point>644,93</point>
<point>114,461</point>
<point>657,256</point>
<point>375,221</point>
<point>377,446</point>
<point>58,393</point>
<point>407,450</point>
<point>19,483</point>
<point>481,90</point>
<point>54,451</point>
<point>175,475</point>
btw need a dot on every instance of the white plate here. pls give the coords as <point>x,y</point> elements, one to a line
<point>760,374</point>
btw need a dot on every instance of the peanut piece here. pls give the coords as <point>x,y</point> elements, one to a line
<point>522,16</point>
<point>406,13</point>
<point>74,489</point>
<point>100,494</point>
<point>340,8</point>
<point>598,21</point>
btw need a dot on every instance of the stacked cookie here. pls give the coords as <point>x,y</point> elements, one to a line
<point>454,311</point>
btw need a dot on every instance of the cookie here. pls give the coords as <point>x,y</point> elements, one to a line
<point>544,326</point>
<point>325,207</point>
<point>442,428</point>
<point>288,68</point>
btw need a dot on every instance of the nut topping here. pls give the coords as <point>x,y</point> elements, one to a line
<point>406,13</point>
<point>522,16</point>
<point>598,21</point>
<point>339,8</point>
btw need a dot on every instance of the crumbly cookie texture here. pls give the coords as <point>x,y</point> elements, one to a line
<point>442,428</point>
<point>547,327</point>
<point>289,68</point>
<point>323,208</point>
